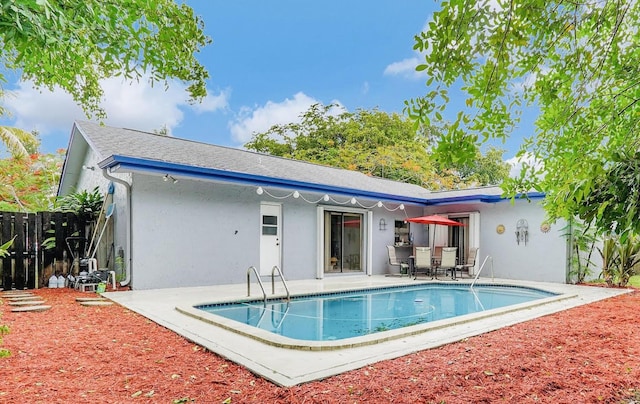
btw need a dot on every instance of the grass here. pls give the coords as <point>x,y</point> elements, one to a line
<point>635,281</point>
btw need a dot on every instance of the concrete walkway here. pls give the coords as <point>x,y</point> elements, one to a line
<point>289,367</point>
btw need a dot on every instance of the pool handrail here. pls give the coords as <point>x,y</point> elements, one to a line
<point>273,284</point>
<point>255,271</point>
<point>488,258</point>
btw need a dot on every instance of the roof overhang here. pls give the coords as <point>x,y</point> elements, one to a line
<point>480,198</point>
<point>76,151</point>
<point>117,163</point>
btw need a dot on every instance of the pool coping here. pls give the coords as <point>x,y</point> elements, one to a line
<point>281,341</point>
<point>288,367</point>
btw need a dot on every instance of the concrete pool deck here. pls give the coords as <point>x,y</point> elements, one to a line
<point>288,367</point>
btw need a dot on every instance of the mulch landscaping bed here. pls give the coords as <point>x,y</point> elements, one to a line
<point>77,354</point>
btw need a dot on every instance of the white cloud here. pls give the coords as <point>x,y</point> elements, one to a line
<point>405,67</point>
<point>212,102</point>
<point>134,105</point>
<point>517,162</point>
<point>260,119</point>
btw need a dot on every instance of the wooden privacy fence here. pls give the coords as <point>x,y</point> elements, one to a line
<point>29,263</point>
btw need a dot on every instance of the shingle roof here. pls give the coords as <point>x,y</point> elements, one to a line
<point>113,144</point>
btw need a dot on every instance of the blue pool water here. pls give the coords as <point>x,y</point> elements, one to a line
<point>342,315</point>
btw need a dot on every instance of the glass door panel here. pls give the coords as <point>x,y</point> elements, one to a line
<point>343,242</point>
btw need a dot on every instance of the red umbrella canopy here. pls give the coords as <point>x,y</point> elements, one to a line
<point>435,219</point>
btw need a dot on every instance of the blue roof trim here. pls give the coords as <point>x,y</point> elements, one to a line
<point>162,167</point>
<point>481,198</point>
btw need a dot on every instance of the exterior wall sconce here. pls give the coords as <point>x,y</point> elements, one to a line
<point>167,177</point>
<point>522,231</point>
<point>382,225</point>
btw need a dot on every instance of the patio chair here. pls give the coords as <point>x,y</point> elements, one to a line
<point>449,261</point>
<point>394,261</point>
<point>470,263</point>
<point>422,261</point>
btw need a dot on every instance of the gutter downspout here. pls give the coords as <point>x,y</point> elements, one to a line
<point>127,187</point>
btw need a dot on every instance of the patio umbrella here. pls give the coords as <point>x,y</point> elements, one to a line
<point>434,220</point>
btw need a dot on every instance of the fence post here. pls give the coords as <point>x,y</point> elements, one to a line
<point>6,235</point>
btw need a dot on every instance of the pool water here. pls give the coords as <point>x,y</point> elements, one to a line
<point>341,315</point>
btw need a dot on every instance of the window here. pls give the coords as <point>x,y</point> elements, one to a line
<point>270,225</point>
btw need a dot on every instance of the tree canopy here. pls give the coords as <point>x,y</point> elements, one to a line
<point>74,44</point>
<point>575,64</point>
<point>375,143</point>
<point>29,184</point>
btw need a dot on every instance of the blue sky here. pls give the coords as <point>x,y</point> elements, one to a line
<point>269,62</point>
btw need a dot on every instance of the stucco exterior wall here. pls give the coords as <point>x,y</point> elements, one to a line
<point>88,179</point>
<point>194,233</point>
<point>542,258</point>
<point>383,238</point>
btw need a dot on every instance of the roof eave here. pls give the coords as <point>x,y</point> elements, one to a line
<point>482,198</point>
<point>76,148</point>
<point>117,163</point>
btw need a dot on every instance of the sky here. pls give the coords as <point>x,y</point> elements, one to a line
<point>269,61</point>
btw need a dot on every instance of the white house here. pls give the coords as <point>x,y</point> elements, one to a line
<point>189,214</point>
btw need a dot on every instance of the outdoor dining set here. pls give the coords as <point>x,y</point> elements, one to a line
<point>426,262</point>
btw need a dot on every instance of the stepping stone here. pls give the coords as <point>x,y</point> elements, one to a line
<point>97,303</point>
<point>18,299</point>
<point>91,299</point>
<point>31,308</point>
<point>26,303</point>
<point>14,295</point>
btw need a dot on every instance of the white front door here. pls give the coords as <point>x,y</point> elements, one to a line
<point>270,237</point>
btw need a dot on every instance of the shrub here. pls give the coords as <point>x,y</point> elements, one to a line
<point>619,259</point>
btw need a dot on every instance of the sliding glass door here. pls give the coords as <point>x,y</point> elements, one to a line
<point>343,232</point>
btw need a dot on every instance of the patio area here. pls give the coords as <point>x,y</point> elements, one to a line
<point>290,367</point>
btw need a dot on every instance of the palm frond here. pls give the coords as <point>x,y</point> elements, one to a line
<point>17,140</point>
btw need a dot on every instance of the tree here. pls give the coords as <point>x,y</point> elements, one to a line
<point>487,169</point>
<point>573,62</point>
<point>74,44</point>
<point>29,184</point>
<point>373,142</point>
<point>19,143</point>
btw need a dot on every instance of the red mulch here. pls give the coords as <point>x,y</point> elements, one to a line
<point>77,354</point>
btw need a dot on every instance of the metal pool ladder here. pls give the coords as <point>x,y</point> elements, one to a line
<point>273,286</point>
<point>255,271</point>
<point>488,258</point>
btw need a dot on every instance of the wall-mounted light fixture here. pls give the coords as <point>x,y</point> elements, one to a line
<point>522,231</point>
<point>382,224</point>
<point>167,177</point>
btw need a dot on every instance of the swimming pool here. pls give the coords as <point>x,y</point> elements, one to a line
<point>342,319</point>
